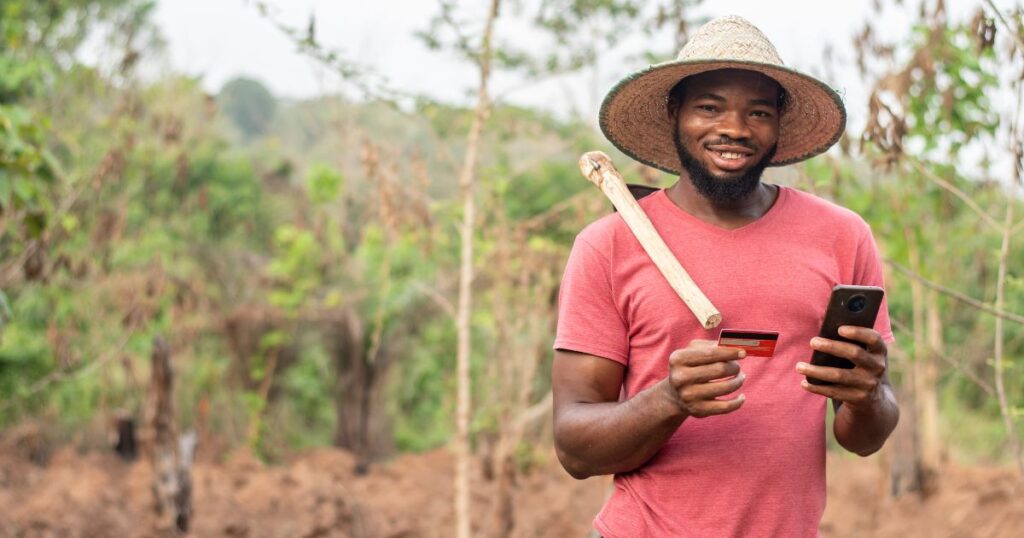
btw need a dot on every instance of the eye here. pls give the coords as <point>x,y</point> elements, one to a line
<point>761,114</point>
<point>707,108</point>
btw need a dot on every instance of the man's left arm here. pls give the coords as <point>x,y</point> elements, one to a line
<point>867,411</point>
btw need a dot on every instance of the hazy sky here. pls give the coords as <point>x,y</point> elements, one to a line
<point>219,39</point>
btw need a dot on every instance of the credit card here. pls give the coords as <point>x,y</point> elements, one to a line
<point>756,343</point>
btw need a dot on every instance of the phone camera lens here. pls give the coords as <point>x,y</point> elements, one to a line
<point>857,303</point>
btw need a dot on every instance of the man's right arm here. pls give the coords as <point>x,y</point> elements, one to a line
<point>597,434</point>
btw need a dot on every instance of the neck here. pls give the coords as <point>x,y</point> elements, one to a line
<point>728,215</point>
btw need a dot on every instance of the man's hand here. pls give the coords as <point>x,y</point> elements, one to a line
<point>860,386</point>
<point>702,372</point>
<point>869,412</point>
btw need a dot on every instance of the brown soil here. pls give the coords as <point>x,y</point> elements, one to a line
<point>316,494</point>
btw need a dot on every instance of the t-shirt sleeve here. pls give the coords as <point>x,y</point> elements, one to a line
<point>588,319</point>
<point>868,272</point>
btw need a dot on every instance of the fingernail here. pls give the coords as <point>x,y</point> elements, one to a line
<point>815,341</point>
<point>743,353</point>
<point>800,366</point>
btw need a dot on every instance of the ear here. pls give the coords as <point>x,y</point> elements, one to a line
<point>672,107</point>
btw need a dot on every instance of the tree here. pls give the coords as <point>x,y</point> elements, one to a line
<point>248,104</point>
<point>927,117</point>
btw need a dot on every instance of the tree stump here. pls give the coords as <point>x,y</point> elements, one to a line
<point>126,445</point>
<point>172,485</point>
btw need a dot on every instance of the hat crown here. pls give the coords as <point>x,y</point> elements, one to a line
<point>730,38</point>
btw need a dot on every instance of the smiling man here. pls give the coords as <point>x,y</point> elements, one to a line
<point>704,441</point>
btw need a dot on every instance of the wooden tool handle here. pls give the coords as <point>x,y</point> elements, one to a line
<point>598,168</point>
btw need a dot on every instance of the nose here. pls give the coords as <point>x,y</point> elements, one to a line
<point>734,125</point>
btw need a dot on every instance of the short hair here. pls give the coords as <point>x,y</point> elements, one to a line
<point>678,93</point>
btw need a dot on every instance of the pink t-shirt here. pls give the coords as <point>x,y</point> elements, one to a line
<point>759,471</point>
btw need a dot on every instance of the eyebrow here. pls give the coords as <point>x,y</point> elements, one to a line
<point>710,96</point>
<point>720,99</point>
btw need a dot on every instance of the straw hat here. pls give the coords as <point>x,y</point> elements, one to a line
<point>634,115</point>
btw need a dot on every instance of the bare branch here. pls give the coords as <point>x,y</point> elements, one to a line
<point>9,272</point>
<point>1006,24</point>
<point>541,219</point>
<point>934,178</point>
<point>959,365</point>
<point>364,78</point>
<point>60,375</point>
<point>999,364</point>
<point>535,411</point>
<point>966,299</point>
<point>438,298</point>
<point>462,41</point>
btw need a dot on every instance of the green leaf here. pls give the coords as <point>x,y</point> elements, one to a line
<point>5,311</point>
<point>324,184</point>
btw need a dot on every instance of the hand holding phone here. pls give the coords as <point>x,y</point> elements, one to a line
<point>848,305</point>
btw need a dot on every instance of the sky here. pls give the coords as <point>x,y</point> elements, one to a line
<point>220,39</point>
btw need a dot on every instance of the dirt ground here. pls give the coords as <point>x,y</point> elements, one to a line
<point>316,494</point>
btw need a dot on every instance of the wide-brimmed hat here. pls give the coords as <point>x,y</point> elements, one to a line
<point>635,117</point>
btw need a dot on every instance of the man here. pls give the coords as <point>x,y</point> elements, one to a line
<point>703,441</point>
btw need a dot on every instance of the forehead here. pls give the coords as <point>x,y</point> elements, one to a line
<point>740,81</point>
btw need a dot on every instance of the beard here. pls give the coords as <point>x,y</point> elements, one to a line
<point>718,189</point>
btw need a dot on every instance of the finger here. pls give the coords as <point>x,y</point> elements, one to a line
<point>706,355</point>
<point>840,376</point>
<point>710,391</point>
<point>852,352</point>
<point>710,372</point>
<point>836,392</point>
<point>718,407</point>
<point>682,356</point>
<point>865,335</point>
<point>830,391</point>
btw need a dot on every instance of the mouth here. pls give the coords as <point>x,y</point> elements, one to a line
<point>730,158</point>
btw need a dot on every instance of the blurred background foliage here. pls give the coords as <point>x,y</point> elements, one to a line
<point>301,256</point>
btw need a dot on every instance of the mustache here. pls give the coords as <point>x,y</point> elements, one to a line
<point>726,141</point>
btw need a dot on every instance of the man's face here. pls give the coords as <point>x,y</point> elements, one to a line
<point>726,132</point>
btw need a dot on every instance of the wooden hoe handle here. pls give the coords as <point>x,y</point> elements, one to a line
<point>598,168</point>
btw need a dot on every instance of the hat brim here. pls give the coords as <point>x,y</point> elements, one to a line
<point>634,115</point>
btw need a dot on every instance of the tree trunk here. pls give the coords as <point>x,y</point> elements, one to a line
<point>126,446</point>
<point>928,397</point>
<point>467,182</point>
<point>999,367</point>
<point>905,475</point>
<point>183,499</point>
<point>171,493</point>
<point>346,338</point>
<point>924,382</point>
<point>911,470</point>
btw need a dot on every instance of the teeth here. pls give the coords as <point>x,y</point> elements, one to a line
<point>730,155</point>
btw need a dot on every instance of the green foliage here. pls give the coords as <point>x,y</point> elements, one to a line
<point>168,223</point>
<point>324,184</point>
<point>36,36</point>
<point>420,392</point>
<point>939,112</point>
<point>26,169</point>
<point>248,104</point>
<point>307,400</point>
<point>25,355</point>
<point>295,268</point>
<point>949,104</point>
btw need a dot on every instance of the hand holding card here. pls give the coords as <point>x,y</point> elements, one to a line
<point>755,343</point>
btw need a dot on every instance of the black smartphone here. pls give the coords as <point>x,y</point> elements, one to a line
<point>849,305</point>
